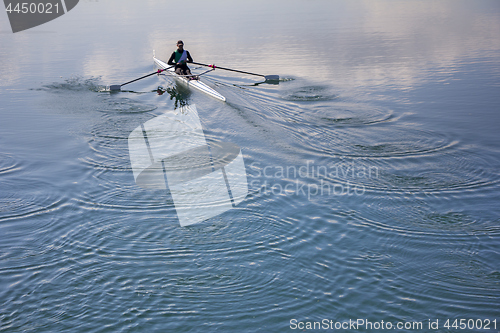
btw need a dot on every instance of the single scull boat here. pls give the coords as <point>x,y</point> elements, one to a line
<point>197,84</point>
<point>188,79</point>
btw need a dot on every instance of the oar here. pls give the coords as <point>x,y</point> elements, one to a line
<point>117,87</point>
<point>267,77</point>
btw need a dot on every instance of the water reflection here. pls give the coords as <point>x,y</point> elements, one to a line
<point>78,230</point>
<point>180,98</point>
<point>353,43</point>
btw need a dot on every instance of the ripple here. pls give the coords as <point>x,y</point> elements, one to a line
<point>356,115</point>
<point>129,244</point>
<point>108,140</point>
<point>114,157</point>
<point>8,164</point>
<point>434,254</point>
<point>11,204</point>
<point>27,217</point>
<point>382,142</point>
<point>310,94</point>
<point>125,105</point>
<point>327,117</point>
<point>209,280</point>
<point>434,168</point>
<point>419,218</point>
<point>453,171</point>
<point>24,199</point>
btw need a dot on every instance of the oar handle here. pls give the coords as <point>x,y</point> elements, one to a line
<point>227,69</point>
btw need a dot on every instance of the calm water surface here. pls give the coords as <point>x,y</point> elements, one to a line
<point>389,110</point>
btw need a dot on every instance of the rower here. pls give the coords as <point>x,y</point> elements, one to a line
<point>179,58</point>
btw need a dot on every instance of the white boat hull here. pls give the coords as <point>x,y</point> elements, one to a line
<point>196,84</point>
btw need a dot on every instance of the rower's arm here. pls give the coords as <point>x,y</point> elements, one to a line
<point>171,60</point>
<point>189,59</point>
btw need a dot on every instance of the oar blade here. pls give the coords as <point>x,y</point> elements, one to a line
<point>272,77</point>
<point>115,87</point>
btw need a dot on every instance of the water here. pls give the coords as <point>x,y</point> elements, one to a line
<point>390,108</point>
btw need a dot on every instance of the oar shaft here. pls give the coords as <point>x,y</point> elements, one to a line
<point>228,69</point>
<point>117,87</point>
<point>142,77</point>
<point>145,76</point>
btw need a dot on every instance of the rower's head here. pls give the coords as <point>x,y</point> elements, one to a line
<point>180,44</point>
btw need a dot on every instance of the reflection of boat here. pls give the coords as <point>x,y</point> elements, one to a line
<point>197,84</point>
<point>178,97</point>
